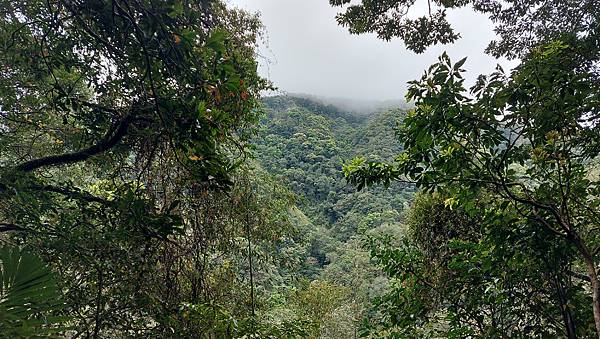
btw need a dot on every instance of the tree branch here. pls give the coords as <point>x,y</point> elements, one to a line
<point>110,140</point>
<point>6,227</point>
<point>72,194</point>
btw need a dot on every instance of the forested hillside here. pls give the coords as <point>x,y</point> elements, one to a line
<point>303,144</point>
<point>306,144</point>
<point>148,189</point>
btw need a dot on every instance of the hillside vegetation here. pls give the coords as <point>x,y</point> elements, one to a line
<point>148,190</point>
<point>303,144</point>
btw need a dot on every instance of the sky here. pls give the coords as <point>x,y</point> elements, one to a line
<point>305,51</point>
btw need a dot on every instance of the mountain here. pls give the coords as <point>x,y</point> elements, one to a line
<point>304,143</point>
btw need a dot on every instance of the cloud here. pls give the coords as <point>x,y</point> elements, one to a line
<point>307,52</point>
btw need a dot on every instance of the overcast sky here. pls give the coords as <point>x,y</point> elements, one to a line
<point>307,52</point>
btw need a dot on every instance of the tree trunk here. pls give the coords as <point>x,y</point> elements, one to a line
<point>595,291</point>
<point>97,318</point>
<point>595,284</point>
<point>564,310</point>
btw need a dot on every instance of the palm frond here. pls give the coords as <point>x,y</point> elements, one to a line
<point>29,297</point>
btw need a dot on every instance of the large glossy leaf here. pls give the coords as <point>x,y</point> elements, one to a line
<point>29,297</point>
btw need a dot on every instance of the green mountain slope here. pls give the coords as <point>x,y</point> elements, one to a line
<point>303,143</point>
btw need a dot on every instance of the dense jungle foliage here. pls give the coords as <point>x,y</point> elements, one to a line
<point>149,189</point>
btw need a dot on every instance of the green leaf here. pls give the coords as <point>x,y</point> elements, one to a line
<point>459,64</point>
<point>28,296</point>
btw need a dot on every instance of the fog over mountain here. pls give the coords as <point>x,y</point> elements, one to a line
<point>354,105</point>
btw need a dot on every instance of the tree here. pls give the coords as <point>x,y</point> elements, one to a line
<point>319,300</point>
<point>530,138</point>
<point>82,80</point>
<point>520,25</point>
<point>117,119</point>
<point>482,274</point>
